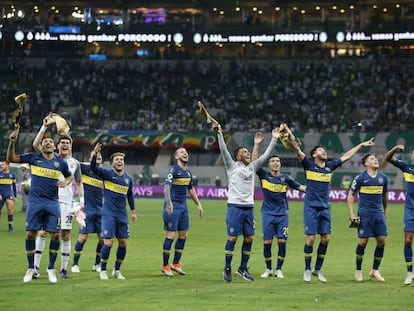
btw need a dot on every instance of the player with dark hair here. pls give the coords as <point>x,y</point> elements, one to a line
<point>408,173</point>
<point>317,208</point>
<point>275,209</point>
<point>240,215</point>
<point>178,182</point>
<point>7,191</point>
<point>66,203</point>
<point>43,211</point>
<point>93,187</point>
<point>372,187</point>
<point>117,191</point>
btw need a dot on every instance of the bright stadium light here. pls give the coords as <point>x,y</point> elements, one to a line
<point>197,38</point>
<point>19,35</point>
<point>178,38</point>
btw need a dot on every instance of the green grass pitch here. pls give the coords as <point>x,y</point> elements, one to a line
<point>203,288</point>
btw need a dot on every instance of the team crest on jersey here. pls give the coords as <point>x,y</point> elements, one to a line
<point>381,180</point>
<point>56,164</point>
<point>282,179</point>
<point>126,181</point>
<point>327,169</point>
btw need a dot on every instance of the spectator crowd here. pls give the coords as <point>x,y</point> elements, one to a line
<point>338,95</point>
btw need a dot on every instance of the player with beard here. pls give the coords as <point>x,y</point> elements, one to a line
<point>117,191</point>
<point>43,211</point>
<point>65,200</point>
<point>317,208</point>
<point>177,183</point>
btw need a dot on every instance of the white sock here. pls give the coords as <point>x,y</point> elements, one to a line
<point>65,255</point>
<point>40,247</point>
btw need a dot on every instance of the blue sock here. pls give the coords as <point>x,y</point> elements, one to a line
<point>179,248</point>
<point>229,250</point>
<point>78,252</point>
<point>281,255</point>
<point>53,252</point>
<point>408,255</point>
<point>246,251</point>
<point>105,251</point>
<point>267,254</point>
<point>98,253</point>
<point>322,248</point>
<point>120,256</point>
<point>166,251</point>
<point>308,250</point>
<point>378,254</point>
<point>30,251</point>
<point>360,250</point>
<point>10,220</point>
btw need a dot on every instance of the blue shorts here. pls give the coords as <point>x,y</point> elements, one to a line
<point>372,225</point>
<point>317,220</point>
<point>240,221</point>
<point>113,227</point>
<point>93,222</point>
<point>409,220</point>
<point>177,221</point>
<point>275,226</point>
<point>45,216</point>
<point>4,199</point>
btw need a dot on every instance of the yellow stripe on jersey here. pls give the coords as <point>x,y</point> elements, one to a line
<point>371,189</point>
<point>45,172</point>
<point>409,177</point>
<point>181,181</point>
<point>115,187</point>
<point>316,176</point>
<point>88,180</point>
<point>7,181</point>
<point>273,187</point>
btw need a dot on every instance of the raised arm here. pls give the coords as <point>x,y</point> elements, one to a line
<point>295,146</point>
<point>258,138</point>
<point>228,161</point>
<point>37,142</point>
<point>389,156</point>
<point>351,152</point>
<point>262,159</point>
<point>11,149</point>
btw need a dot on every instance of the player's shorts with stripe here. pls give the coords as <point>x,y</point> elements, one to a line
<point>240,221</point>
<point>177,221</point>
<point>317,220</point>
<point>44,216</point>
<point>114,227</point>
<point>372,225</point>
<point>408,219</point>
<point>275,226</point>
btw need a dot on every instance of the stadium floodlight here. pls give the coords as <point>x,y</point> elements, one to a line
<point>19,35</point>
